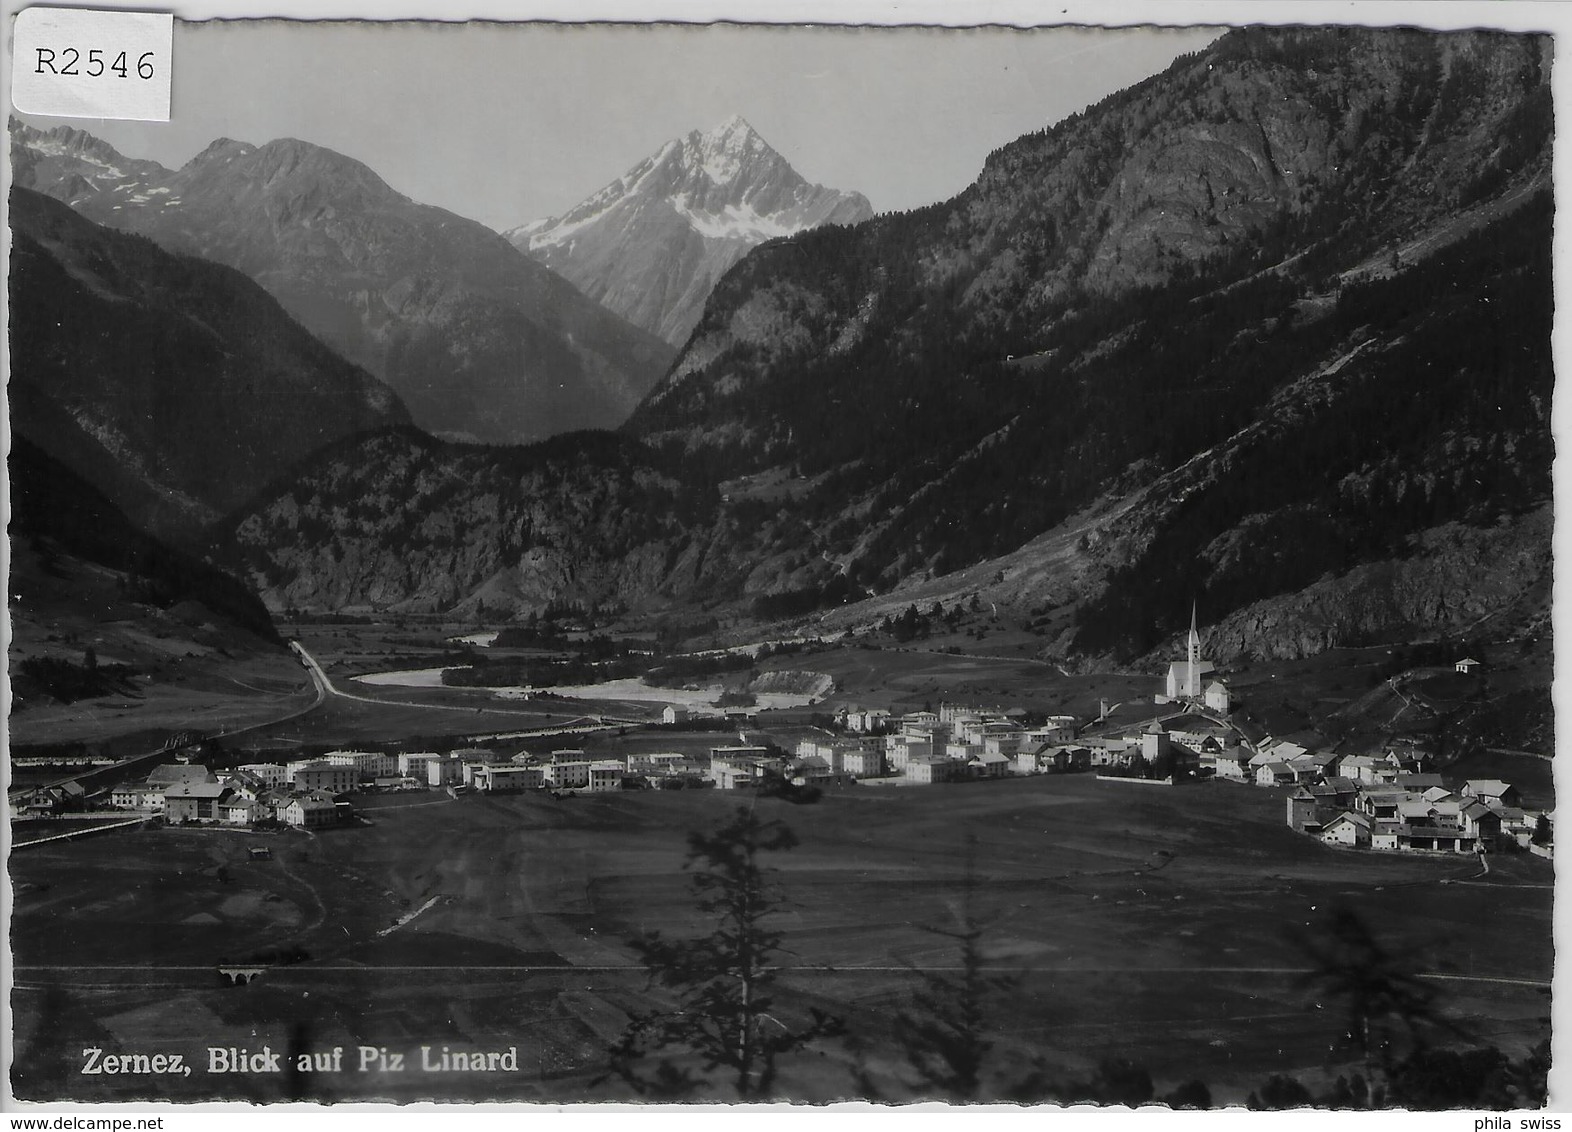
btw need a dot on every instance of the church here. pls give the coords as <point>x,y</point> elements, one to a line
<point>1187,678</point>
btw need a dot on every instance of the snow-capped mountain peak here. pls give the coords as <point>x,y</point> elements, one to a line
<point>725,149</point>
<point>651,244</point>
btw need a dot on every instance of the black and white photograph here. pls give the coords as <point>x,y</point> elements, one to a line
<point>701,562</point>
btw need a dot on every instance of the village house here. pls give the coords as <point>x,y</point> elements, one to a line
<point>933,769</point>
<point>814,768</point>
<point>1348,829</point>
<point>950,713</point>
<point>815,748</point>
<point>510,778</point>
<point>740,766</point>
<point>606,775</point>
<point>240,811</point>
<point>138,796</point>
<point>313,809</point>
<point>1200,737</point>
<point>991,764</point>
<point>1109,750</point>
<point>1054,729</point>
<point>245,784</point>
<point>1419,783</point>
<point>413,764</point>
<point>1341,791</point>
<point>657,763</point>
<point>1371,769</point>
<point>331,777</point>
<point>1380,802</point>
<point>1313,764</point>
<point>860,762</point>
<point>979,729</point>
<point>1282,750</point>
<point>903,749</point>
<point>1228,763</point>
<point>1517,825</point>
<point>1066,759</point>
<point>1275,773</point>
<point>1436,839</point>
<point>962,752</point>
<point>369,764</point>
<point>149,795</point>
<point>865,722</point>
<point>1491,791</point>
<point>193,801</point>
<point>272,775</point>
<point>47,801</point>
<point>1256,761</point>
<point>565,771</point>
<point>1410,753</point>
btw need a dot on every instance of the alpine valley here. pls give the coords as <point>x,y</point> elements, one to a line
<point>1268,331</point>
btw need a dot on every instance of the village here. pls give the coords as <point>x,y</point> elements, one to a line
<point>1376,797</point>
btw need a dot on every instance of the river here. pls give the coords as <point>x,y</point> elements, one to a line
<point>627,689</point>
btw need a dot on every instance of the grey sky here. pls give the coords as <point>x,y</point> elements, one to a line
<point>508,123</point>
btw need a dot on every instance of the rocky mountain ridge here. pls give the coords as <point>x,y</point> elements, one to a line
<point>480,343</point>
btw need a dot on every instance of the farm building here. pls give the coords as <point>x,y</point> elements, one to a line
<point>1348,829</point>
<point>194,801</point>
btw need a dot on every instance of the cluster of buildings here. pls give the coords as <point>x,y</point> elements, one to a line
<point>924,747</point>
<point>185,794</point>
<point>1381,802</point>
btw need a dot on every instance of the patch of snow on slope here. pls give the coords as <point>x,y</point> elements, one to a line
<point>734,222</point>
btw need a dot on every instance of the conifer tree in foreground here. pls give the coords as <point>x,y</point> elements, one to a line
<point>724,1017</point>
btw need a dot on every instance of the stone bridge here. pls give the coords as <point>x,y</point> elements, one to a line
<point>239,976</point>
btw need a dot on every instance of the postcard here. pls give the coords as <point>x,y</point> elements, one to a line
<point>574,561</point>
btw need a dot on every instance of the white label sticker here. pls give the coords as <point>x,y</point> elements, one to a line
<point>69,62</point>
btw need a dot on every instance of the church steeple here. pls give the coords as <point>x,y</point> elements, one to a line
<point>1185,676</point>
<point>1192,673</point>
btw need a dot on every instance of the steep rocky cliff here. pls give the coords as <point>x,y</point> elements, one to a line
<point>1454,580</point>
<point>403,521</point>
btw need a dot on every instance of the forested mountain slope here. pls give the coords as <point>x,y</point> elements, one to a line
<point>177,387</point>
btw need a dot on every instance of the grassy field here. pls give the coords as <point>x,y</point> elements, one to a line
<point>1158,924</point>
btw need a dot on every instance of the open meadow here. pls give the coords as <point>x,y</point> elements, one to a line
<point>1159,924</point>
